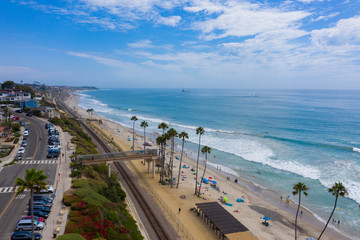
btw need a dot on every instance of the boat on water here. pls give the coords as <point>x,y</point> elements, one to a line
<point>186,90</point>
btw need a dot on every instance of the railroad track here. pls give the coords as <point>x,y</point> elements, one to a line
<point>143,203</point>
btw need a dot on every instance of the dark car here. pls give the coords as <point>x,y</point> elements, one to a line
<point>18,111</point>
<point>29,114</point>
<point>54,143</point>
<point>42,203</point>
<point>41,208</point>
<point>39,213</point>
<point>24,235</point>
<point>53,155</point>
<point>22,123</point>
<point>43,198</point>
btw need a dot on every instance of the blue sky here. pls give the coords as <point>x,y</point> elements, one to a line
<point>306,44</point>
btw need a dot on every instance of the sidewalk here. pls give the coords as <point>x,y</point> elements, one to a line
<point>56,221</point>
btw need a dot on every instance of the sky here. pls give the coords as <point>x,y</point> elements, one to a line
<point>268,44</point>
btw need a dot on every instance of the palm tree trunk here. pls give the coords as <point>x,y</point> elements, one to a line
<point>297,213</point>
<point>172,160</point>
<point>163,162</point>
<point>144,143</point>
<point>32,212</point>
<point>133,136</point>
<point>203,173</point>
<point>197,166</point>
<point>182,151</point>
<point>329,218</point>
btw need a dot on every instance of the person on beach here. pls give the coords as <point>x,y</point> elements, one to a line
<point>179,211</point>
<point>338,222</point>
<point>236,180</point>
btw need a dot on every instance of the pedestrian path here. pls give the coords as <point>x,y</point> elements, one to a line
<point>39,162</point>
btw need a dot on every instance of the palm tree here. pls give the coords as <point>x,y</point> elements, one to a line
<point>163,126</point>
<point>299,187</point>
<point>205,150</point>
<point>161,141</point>
<point>336,190</point>
<point>144,124</point>
<point>34,181</point>
<point>89,110</point>
<point>200,131</point>
<point>172,133</point>
<point>133,118</point>
<point>182,135</point>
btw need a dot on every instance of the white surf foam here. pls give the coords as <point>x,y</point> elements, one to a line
<point>356,149</point>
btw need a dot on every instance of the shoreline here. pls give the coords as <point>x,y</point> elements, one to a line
<point>251,188</point>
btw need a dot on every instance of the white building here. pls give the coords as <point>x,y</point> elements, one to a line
<point>14,95</point>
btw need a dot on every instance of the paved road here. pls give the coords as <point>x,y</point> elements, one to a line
<point>12,207</point>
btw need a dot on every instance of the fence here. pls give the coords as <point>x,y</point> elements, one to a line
<point>180,226</point>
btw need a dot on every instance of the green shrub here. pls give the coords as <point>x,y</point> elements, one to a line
<point>68,199</point>
<point>91,197</point>
<point>113,216</point>
<point>77,205</point>
<point>114,193</point>
<point>71,236</point>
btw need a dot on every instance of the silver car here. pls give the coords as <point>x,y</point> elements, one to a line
<point>25,225</point>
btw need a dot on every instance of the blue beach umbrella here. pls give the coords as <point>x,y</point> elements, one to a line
<point>266,218</point>
<point>214,182</point>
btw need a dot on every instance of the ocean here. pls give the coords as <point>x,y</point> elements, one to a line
<point>312,136</point>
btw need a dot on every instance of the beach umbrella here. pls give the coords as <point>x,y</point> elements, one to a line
<point>226,199</point>
<point>310,238</point>
<point>214,182</point>
<point>210,177</point>
<point>266,218</point>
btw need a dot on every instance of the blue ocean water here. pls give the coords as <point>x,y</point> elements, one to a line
<point>289,135</point>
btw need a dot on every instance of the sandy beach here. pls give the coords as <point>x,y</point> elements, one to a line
<point>258,202</point>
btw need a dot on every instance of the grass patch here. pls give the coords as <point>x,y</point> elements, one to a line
<point>71,236</point>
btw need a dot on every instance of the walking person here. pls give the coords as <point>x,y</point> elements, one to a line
<point>179,211</point>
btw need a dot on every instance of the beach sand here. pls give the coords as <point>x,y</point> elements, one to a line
<point>258,202</point>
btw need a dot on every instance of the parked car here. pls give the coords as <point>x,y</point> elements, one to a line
<point>49,189</point>
<point>52,143</point>
<point>39,213</point>
<point>18,156</point>
<point>22,123</point>
<point>15,118</point>
<point>42,197</point>
<point>26,225</point>
<point>40,208</point>
<point>42,203</point>
<point>25,235</point>
<point>24,143</point>
<point>54,147</point>
<point>18,111</point>
<point>29,114</point>
<point>40,219</point>
<point>47,125</point>
<point>21,150</point>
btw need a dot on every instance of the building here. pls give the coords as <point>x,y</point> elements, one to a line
<point>50,112</point>
<point>14,95</point>
<point>29,103</point>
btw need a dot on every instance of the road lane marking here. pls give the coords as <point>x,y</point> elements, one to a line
<point>36,149</point>
<point>8,205</point>
<point>10,189</point>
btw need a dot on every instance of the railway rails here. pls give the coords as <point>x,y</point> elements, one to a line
<point>143,203</point>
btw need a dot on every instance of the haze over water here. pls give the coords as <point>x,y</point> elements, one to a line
<point>288,135</point>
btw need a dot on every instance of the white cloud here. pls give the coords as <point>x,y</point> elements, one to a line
<point>245,19</point>
<point>325,17</point>
<point>141,44</point>
<point>309,1</point>
<point>346,31</point>
<point>169,21</point>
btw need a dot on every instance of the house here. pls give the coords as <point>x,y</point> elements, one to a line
<point>14,95</point>
<point>50,112</point>
<point>29,103</point>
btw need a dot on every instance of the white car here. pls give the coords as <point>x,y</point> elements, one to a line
<point>21,150</point>
<point>54,147</point>
<point>26,133</point>
<point>49,189</point>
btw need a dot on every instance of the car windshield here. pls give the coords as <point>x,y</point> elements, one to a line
<point>36,222</point>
